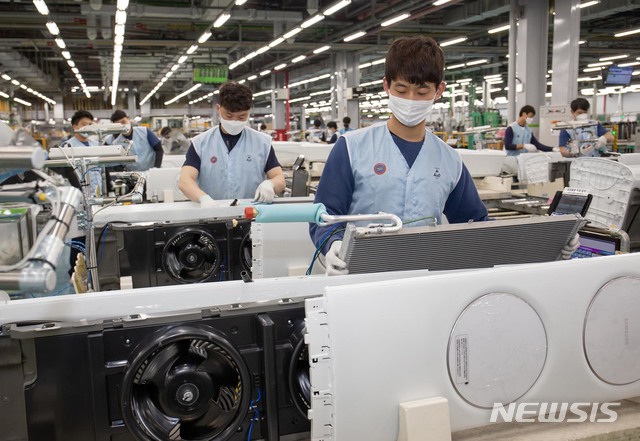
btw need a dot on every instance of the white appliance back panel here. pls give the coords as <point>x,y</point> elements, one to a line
<point>389,341</point>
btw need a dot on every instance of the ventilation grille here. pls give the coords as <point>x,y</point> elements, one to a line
<point>460,246</point>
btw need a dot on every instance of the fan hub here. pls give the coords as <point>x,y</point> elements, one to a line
<point>187,394</point>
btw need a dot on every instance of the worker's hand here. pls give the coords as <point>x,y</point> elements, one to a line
<point>265,192</point>
<point>530,148</point>
<point>570,247</point>
<point>335,265</point>
<point>601,145</point>
<point>586,148</point>
<point>555,149</point>
<point>206,201</point>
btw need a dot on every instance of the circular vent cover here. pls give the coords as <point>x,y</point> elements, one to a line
<point>612,332</point>
<point>187,383</point>
<point>497,349</point>
<point>191,255</point>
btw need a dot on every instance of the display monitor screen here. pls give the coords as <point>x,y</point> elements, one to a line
<point>618,76</point>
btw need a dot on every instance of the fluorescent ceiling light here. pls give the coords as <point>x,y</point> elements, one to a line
<point>440,2</point>
<point>321,49</point>
<point>313,20</point>
<point>588,3</point>
<point>75,70</point>
<point>380,61</point>
<point>487,77</point>
<point>332,9</point>
<point>222,19</point>
<point>192,49</point>
<point>204,37</point>
<point>122,4</point>
<point>283,65</point>
<point>582,41</point>
<point>632,63</point>
<point>118,39</point>
<point>175,67</point>
<point>41,6</point>
<point>499,29</point>
<point>252,77</point>
<point>265,72</point>
<point>614,57</point>
<point>582,79</point>
<point>453,41</point>
<point>240,2</point>
<point>354,36</point>
<point>625,33</point>
<point>592,69</point>
<point>276,42</point>
<point>6,77</point>
<point>251,55</point>
<point>22,86</point>
<point>474,62</point>
<point>364,65</point>
<point>66,55</point>
<point>299,58</point>
<point>602,63</point>
<point>186,92</point>
<point>262,50</point>
<point>53,28</point>
<point>455,66</point>
<point>395,20</point>
<point>121,17</point>
<point>60,43</point>
<point>182,59</point>
<point>26,103</point>
<point>464,80</point>
<point>242,81</point>
<point>30,90</point>
<point>4,95</point>
<point>15,82</point>
<point>292,32</point>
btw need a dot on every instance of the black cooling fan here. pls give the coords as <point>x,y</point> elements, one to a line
<point>186,383</point>
<point>191,255</point>
<point>299,380</point>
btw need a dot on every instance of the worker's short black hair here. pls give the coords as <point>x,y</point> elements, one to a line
<point>79,115</point>
<point>118,115</point>
<point>317,122</point>
<point>346,120</point>
<point>417,59</point>
<point>527,110</point>
<point>165,131</point>
<point>235,97</point>
<point>332,125</point>
<point>580,104</point>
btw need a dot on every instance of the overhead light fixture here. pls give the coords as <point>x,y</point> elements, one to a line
<point>15,82</point>
<point>75,70</point>
<point>629,32</point>
<point>23,102</point>
<point>276,42</point>
<point>332,9</point>
<point>41,6</point>
<point>182,59</point>
<point>292,32</point>
<point>379,61</point>
<point>118,39</point>
<point>453,41</point>
<point>22,86</point>
<point>582,41</point>
<point>632,63</point>
<point>122,4</point>
<point>204,37</point>
<point>242,81</point>
<point>53,28</point>
<point>313,20</point>
<point>354,36</point>
<point>262,50</point>
<point>265,72</point>
<point>60,43</point>
<point>186,92</point>
<point>475,62</point>
<point>66,55</point>
<point>614,57</point>
<point>121,17</point>
<point>175,67</point>
<point>192,49</point>
<point>455,66</point>
<point>602,63</point>
<point>583,79</point>
<point>240,2</point>
<point>6,77</point>
<point>592,69</point>
<point>588,3</point>
<point>4,95</point>
<point>222,19</point>
<point>395,20</point>
<point>321,49</point>
<point>283,65</point>
<point>499,29</point>
<point>252,77</point>
<point>298,58</point>
<point>440,2</point>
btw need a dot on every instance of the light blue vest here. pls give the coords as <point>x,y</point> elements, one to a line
<point>521,135</point>
<point>144,152</point>
<point>95,175</point>
<point>235,174</point>
<point>585,134</point>
<point>384,181</point>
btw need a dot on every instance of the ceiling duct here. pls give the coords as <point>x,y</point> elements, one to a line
<point>24,70</point>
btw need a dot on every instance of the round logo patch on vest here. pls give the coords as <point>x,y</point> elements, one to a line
<point>379,168</point>
<point>213,159</point>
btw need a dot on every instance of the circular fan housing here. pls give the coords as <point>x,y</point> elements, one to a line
<point>186,383</point>
<point>298,376</point>
<point>191,255</point>
<point>246,252</point>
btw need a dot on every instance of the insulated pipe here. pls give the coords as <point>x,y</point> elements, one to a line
<point>22,157</point>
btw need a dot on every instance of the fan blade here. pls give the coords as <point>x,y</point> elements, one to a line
<point>215,420</point>
<point>182,240</point>
<point>211,253</point>
<point>172,263</point>
<point>160,364</point>
<point>157,421</point>
<point>218,366</point>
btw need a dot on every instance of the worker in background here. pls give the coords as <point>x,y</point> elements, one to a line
<point>316,134</point>
<point>231,160</point>
<point>146,145</point>
<point>580,112</point>
<point>518,137</point>
<point>345,122</point>
<point>80,119</point>
<point>369,168</point>
<point>173,143</point>
<point>332,128</point>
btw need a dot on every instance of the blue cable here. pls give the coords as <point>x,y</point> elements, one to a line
<point>58,292</point>
<point>321,245</point>
<point>256,413</point>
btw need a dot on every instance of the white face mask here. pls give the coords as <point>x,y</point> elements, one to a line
<point>582,117</point>
<point>233,127</point>
<point>529,120</point>
<point>409,112</point>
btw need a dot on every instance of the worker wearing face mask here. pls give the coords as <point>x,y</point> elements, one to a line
<point>518,137</point>
<point>596,133</point>
<point>231,160</point>
<point>144,143</point>
<point>398,166</point>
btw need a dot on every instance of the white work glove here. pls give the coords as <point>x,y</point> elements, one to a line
<point>265,192</point>
<point>335,265</point>
<point>570,247</point>
<point>601,145</point>
<point>530,148</point>
<point>206,201</point>
<point>555,149</point>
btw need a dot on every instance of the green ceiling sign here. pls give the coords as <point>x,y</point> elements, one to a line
<point>210,73</point>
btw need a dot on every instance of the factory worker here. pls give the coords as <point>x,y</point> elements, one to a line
<point>398,166</point>
<point>596,133</point>
<point>346,121</point>
<point>518,137</point>
<point>231,160</point>
<point>332,129</point>
<point>80,119</point>
<point>146,145</point>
